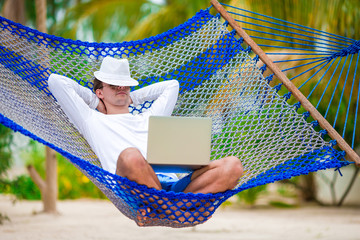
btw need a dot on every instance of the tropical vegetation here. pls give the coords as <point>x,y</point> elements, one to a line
<point>123,20</point>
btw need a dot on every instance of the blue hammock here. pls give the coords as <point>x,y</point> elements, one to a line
<point>220,77</point>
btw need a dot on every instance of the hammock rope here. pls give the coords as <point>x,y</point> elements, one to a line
<point>219,78</point>
<point>284,41</point>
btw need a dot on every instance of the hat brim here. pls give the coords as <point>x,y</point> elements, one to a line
<point>116,80</point>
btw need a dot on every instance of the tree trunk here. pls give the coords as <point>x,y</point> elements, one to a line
<point>309,187</point>
<point>14,10</point>
<point>50,193</point>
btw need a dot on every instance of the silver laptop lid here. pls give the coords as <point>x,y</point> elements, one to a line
<point>177,144</point>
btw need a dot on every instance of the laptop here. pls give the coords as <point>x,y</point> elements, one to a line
<point>178,144</point>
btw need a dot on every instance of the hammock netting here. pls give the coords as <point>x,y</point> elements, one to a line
<point>219,78</point>
<point>324,66</point>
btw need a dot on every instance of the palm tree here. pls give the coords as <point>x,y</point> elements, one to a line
<point>334,16</point>
<point>48,187</point>
<point>97,20</point>
<point>118,20</point>
<point>50,192</point>
<point>15,11</point>
<point>172,14</point>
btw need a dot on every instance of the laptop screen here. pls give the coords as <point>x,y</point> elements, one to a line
<point>179,142</point>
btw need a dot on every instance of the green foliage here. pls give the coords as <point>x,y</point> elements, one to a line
<point>22,187</point>
<point>5,151</point>
<point>335,16</point>
<point>35,155</point>
<point>106,20</point>
<point>250,196</point>
<point>72,183</point>
<point>5,157</point>
<point>288,187</point>
<point>283,190</point>
<point>333,94</point>
<point>118,20</point>
<point>5,160</point>
<point>280,204</point>
<point>172,14</point>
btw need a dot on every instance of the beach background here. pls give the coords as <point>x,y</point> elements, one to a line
<point>90,216</point>
<point>88,219</point>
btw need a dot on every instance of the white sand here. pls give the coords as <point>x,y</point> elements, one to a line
<point>98,219</point>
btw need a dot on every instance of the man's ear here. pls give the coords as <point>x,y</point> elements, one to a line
<point>99,93</point>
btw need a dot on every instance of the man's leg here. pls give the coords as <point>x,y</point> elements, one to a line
<point>132,165</point>
<point>218,176</point>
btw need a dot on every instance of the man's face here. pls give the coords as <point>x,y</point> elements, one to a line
<point>114,95</point>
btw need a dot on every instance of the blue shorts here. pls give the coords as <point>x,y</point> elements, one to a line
<point>173,184</point>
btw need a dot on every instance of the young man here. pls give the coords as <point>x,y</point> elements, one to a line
<point>119,138</point>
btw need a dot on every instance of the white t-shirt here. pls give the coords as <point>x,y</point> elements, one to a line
<point>109,134</point>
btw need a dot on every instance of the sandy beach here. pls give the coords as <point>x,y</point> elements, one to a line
<point>99,219</point>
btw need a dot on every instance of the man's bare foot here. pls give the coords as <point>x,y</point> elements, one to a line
<point>185,211</point>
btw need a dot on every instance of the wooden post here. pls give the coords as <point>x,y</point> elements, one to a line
<point>350,153</point>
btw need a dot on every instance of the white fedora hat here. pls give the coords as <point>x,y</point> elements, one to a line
<point>115,72</point>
